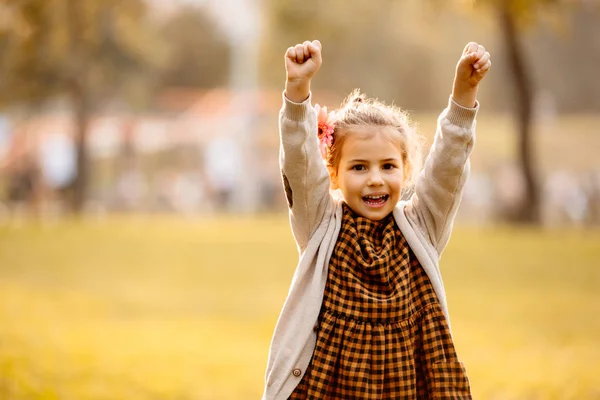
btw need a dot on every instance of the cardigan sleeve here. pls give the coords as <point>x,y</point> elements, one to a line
<point>440,184</point>
<point>305,177</point>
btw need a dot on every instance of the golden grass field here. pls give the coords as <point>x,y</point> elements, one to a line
<point>141,308</point>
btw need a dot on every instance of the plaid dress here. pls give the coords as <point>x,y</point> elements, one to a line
<point>381,333</point>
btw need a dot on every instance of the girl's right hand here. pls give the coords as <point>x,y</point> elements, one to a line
<point>301,63</point>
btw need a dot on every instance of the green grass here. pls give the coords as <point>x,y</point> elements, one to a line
<point>162,308</point>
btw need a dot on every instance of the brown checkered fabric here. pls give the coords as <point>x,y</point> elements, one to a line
<point>381,333</point>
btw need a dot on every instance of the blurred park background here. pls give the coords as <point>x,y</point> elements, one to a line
<point>144,245</point>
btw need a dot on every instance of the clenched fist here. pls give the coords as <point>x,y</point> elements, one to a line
<point>471,68</point>
<point>301,64</point>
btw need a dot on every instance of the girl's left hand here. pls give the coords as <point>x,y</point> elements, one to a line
<point>470,70</point>
<point>473,65</point>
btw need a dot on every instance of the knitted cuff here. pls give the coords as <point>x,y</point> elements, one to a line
<point>296,111</point>
<point>461,116</point>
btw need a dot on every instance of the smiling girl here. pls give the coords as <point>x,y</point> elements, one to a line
<point>366,315</point>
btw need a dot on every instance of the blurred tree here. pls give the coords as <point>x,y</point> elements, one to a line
<point>198,53</point>
<point>85,50</point>
<point>514,16</point>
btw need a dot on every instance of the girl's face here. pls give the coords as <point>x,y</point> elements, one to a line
<point>370,171</point>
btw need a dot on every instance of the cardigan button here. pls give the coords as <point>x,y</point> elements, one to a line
<point>296,372</point>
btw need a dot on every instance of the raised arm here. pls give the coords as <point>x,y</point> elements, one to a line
<point>304,174</point>
<point>440,184</point>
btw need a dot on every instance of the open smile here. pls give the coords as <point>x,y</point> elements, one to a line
<point>375,201</point>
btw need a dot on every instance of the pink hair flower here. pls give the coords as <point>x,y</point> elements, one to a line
<point>326,126</point>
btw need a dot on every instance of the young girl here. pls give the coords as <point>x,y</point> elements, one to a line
<point>366,314</point>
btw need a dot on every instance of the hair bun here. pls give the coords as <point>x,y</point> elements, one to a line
<point>355,99</point>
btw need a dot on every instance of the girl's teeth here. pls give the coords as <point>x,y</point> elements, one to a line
<point>375,199</point>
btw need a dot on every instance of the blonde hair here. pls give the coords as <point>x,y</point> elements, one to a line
<point>359,110</point>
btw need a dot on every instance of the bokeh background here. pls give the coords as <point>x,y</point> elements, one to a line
<point>145,250</point>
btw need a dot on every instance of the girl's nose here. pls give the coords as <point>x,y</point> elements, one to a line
<point>375,179</point>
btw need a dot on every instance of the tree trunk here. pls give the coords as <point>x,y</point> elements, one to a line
<point>80,116</point>
<point>79,102</point>
<point>529,210</point>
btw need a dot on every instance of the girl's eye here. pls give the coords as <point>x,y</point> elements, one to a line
<point>389,166</point>
<point>358,167</point>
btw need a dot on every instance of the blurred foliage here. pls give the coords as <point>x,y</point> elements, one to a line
<point>527,12</point>
<point>358,52</point>
<point>141,309</point>
<point>198,52</point>
<point>105,44</point>
<point>400,50</point>
<point>406,50</point>
<point>122,52</point>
